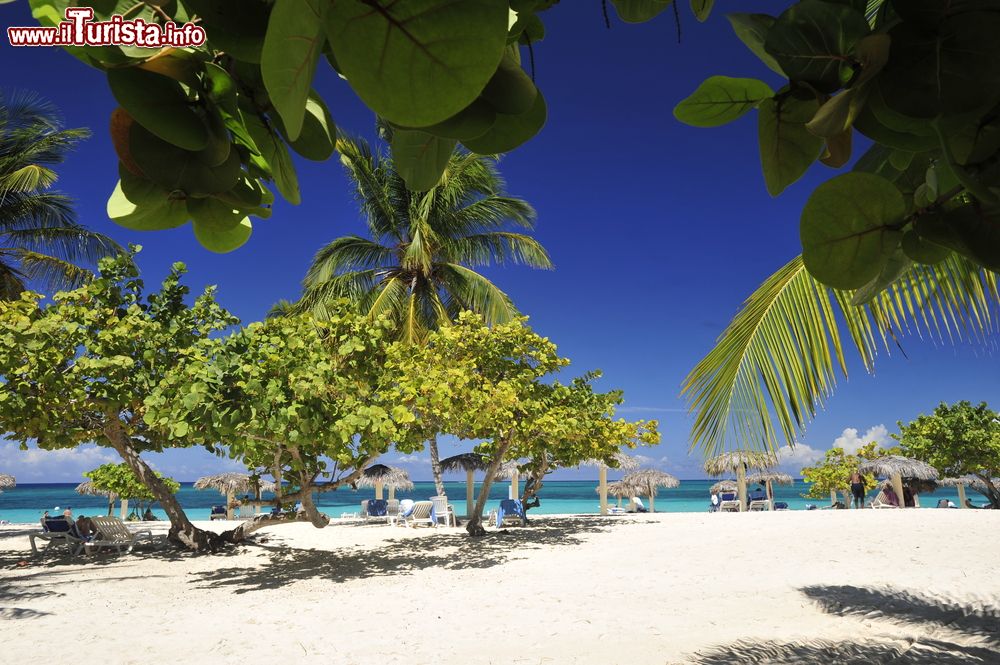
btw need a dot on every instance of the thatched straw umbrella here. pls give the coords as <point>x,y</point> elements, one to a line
<point>89,489</point>
<point>470,463</point>
<point>647,481</point>
<point>232,484</point>
<point>960,484</point>
<point>391,477</point>
<point>739,461</point>
<point>6,482</point>
<point>726,485</point>
<point>618,489</point>
<point>509,471</point>
<point>767,478</point>
<point>895,467</point>
<point>623,462</point>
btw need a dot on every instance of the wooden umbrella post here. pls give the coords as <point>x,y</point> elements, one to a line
<point>741,482</point>
<point>897,487</point>
<point>230,497</point>
<point>378,489</point>
<point>515,485</point>
<point>961,496</point>
<point>604,489</point>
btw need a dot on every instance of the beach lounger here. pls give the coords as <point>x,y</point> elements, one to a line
<point>57,531</point>
<point>729,503</point>
<point>245,513</point>
<point>443,511</point>
<point>218,513</point>
<point>511,510</point>
<point>884,500</point>
<point>112,532</point>
<point>375,509</point>
<point>421,514</point>
<point>780,505</point>
<point>758,501</point>
<point>391,510</point>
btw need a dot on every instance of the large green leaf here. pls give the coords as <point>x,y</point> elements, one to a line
<point>141,205</point>
<point>813,41</point>
<point>159,104</point>
<point>420,158</point>
<point>953,69</point>
<point>173,168</point>
<point>850,228</point>
<point>274,153</point>
<point>752,30</point>
<point>294,40</point>
<point>472,121</point>
<point>418,62</point>
<point>702,8</point>
<point>318,137</point>
<point>639,11</point>
<point>721,99</point>
<point>238,29</point>
<point>509,131</point>
<point>787,148</point>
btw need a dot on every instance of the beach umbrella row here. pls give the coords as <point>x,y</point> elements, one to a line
<point>646,482</point>
<point>232,484</point>
<point>767,478</point>
<point>623,462</point>
<point>470,463</point>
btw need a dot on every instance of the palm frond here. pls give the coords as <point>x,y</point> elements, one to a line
<point>500,247</point>
<point>373,187</point>
<point>50,273</point>
<point>71,243</point>
<point>26,178</point>
<point>470,290</point>
<point>346,254</point>
<point>773,366</point>
<point>11,280</point>
<point>354,286</point>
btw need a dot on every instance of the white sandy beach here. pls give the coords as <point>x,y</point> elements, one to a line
<point>667,588</point>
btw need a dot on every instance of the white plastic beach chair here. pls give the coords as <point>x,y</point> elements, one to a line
<point>112,532</point>
<point>882,501</point>
<point>421,514</point>
<point>443,511</point>
<point>391,510</point>
<point>729,505</point>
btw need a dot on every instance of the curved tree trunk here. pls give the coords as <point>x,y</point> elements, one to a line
<point>432,444</point>
<point>181,529</point>
<point>475,524</point>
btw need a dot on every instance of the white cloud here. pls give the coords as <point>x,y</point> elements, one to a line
<point>851,442</point>
<point>793,459</point>
<point>65,465</point>
<point>412,459</point>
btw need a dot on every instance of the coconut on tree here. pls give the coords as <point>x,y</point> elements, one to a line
<point>419,264</point>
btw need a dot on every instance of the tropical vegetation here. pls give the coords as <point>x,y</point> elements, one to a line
<point>119,480</point>
<point>41,243</point>
<point>958,440</point>
<point>832,474</point>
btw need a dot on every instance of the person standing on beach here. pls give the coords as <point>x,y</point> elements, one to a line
<point>858,489</point>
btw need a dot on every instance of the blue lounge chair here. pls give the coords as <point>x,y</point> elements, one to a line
<point>780,505</point>
<point>511,509</point>
<point>377,507</point>
<point>758,500</point>
<point>218,513</point>
<point>58,531</point>
<point>729,502</point>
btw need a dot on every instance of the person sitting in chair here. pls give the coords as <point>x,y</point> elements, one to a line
<point>637,505</point>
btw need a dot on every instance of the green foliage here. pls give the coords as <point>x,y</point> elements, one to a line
<point>774,364</point>
<point>921,80</point>
<point>957,439</point>
<point>418,267</point>
<point>303,400</point>
<point>40,238</point>
<point>121,481</point>
<point>833,472</point>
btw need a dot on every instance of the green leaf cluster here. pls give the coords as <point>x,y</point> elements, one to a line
<point>833,472</point>
<point>121,481</point>
<point>958,439</point>
<point>920,80</point>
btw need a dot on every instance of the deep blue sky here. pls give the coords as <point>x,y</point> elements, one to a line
<point>658,230</point>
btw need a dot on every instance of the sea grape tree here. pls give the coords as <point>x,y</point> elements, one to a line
<point>920,79</point>
<point>309,402</point>
<point>119,480</point>
<point>958,439</point>
<point>833,473</point>
<point>79,369</point>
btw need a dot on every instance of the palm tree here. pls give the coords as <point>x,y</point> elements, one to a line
<point>775,360</point>
<point>40,240</point>
<point>418,266</point>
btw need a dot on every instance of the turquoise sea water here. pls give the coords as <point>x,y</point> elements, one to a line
<point>25,503</point>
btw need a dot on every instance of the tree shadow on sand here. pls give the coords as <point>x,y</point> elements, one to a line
<point>449,551</point>
<point>954,632</point>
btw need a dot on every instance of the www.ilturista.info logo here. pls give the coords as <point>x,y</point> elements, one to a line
<point>79,29</point>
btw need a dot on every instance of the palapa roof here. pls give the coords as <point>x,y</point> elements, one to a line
<point>507,470</point>
<point>769,475</point>
<point>916,485</point>
<point>618,489</point>
<point>232,483</point>
<point>387,476</point>
<point>727,485</point>
<point>6,481</point>
<point>904,466</point>
<point>625,462</point>
<point>646,481</point>
<point>88,488</point>
<point>465,462</point>
<point>974,482</point>
<point>734,459</point>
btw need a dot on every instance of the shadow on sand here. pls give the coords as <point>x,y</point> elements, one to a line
<point>450,551</point>
<point>953,632</point>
